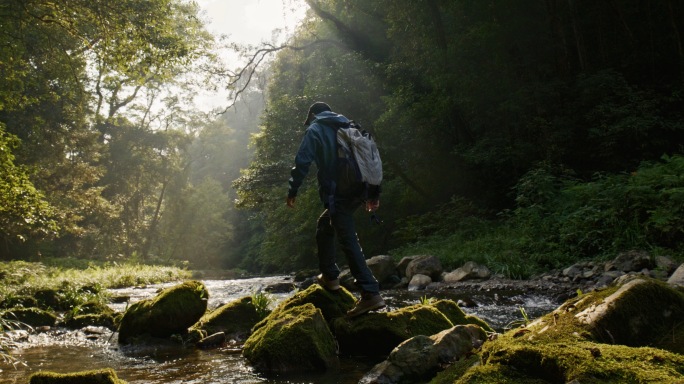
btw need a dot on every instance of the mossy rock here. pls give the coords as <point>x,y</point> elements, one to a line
<point>87,320</point>
<point>19,301</point>
<point>332,304</point>
<point>100,376</point>
<point>235,318</point>
<point>377,333</point>
<point>455,314</point>
<point>49,299</point>
<point>34,317</point>
<point>297,340</point>
<point>94,308</point>
<point>653,309</point>
<point>172,311</point>
<point>582,362</point>
<point>568,344</point>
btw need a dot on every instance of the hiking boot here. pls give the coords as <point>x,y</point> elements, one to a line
<point>329,284</point>
<point>367,302</point>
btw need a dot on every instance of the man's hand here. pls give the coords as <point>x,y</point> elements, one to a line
<point>372,205</point>
<point>291,201</point>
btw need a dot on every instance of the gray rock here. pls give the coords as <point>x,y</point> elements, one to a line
<point>212,340</point>
<point>425,265</point>
<point>665,264</point>
<point>421,357</point>
<point>383,268</point>
<point>572,271</point>
<point>631,261</point>
<point>677,278</point>
<point>419,282</point>
<point>403,263</point>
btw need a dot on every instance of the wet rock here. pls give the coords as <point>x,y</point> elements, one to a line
<point>19,301</point>
<point>87,320</point>
<point>100,376</point>
<point>636,314</point>
<point>470,270</point>
<point>332,304</point>
<point>403,264</point>
<point>677,278</point>
<point>425,265</point>
<point>35,317</point>
<point>455,314</point>
<point>377,333</point>
<point>212,341</point>
<point>294,340</point>
<point>419,358</point>
<point>235,319</point>
<point>631,261</point>
<point>284,287</point>
<point>572,271</point>
<point>665,264</point>
<point>600,334</point>
<point>419,282</point>
<point>121,299</point>
<point>384,269</point>
<point>172,311</point>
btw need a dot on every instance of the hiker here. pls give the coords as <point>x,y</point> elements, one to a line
<point>319,145</point>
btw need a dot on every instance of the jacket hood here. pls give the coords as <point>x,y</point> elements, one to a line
<point>330,118</point>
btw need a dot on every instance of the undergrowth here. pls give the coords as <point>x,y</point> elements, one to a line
<point>558,219</point>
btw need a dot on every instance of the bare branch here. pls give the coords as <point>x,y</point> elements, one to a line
<point>249,69</point>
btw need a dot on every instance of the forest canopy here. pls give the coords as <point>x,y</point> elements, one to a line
<point>522,135</point>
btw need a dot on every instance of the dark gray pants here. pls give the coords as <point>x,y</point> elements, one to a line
<point>340,225</point>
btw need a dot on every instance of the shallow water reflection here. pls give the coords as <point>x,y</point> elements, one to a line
<point>67,351</point>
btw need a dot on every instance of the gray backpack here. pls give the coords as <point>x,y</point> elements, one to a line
<point>359,166</point>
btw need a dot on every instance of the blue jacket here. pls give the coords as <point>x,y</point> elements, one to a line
<point>319,146</point>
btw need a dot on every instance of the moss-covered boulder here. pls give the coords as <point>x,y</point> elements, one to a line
<point>377,333</point>
<point>332,304</point>
<point>420,357</point>
<point>639,313</point>
<point>296,339</point>
<point>49,298</point>
<point>455,314</point>
<point>601,337</point>
<point>88,320</point>
<point>172,311</point>
<point>234,319</point>
<point>19,301</point>
<point>100,376</point>
<point>34,317</point>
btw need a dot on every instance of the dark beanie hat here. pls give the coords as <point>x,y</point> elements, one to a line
<point>316,108</point>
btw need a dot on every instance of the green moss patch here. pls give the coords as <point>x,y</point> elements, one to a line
<point>19,301</point>
<point>583,361</point>
<point>172,311</point>
<point>100,376</point>
<point>236,318</point>
<point>34,317</point>
<point>87,320</point>
<point>377,333</point>
<point>569,344</point>
<point>455,314</point>
<point>332,304</point>
<point>298,339</point>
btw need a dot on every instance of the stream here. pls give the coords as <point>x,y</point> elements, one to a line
<point>61,350</point>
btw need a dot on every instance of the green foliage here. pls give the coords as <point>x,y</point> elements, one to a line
<point>23,209</point>
<point>611,213</point>
<point>262,302</point>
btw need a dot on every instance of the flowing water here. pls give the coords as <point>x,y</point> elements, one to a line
<point>59,350</point>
